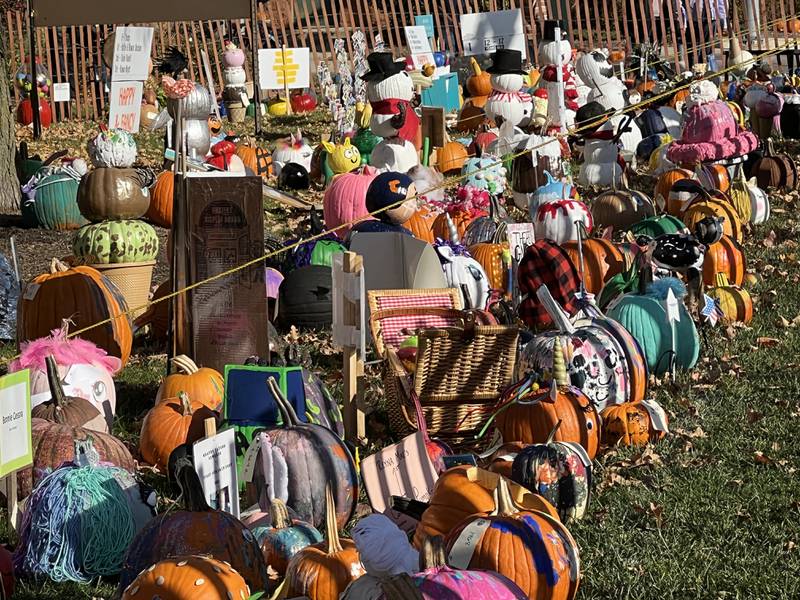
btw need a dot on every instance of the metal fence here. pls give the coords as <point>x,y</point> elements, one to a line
<point>74,54</point>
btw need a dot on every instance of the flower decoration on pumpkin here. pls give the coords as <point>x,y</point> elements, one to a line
<point>467,198</point>
<point>176,89</point>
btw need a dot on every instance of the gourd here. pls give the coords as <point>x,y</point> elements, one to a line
<point>630,424</point>
<point>107,193</point>
<point>67,410</point>
<point>195,529</point>
<point>203,385</point>
<point>531,548</point>
<point>160,210</point>
<point>113,242</point>
<point>322,571</point>
<point>188,577</point>
<point>169,424</point>
<point>81,294</point>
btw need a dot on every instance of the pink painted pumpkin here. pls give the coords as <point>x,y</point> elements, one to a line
<point>345,199</point>
<point>233,55</point>
<point>555,220</point>
<point>86,370</point>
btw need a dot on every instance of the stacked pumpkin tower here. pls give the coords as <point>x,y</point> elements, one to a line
<point>235,82</point>
<point>113,196</point>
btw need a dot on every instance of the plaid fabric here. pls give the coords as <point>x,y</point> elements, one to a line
<point>391,328</point>
<point>546,263</point>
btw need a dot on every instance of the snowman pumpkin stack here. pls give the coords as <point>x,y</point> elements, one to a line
<point>235,79</point>
<point>113,196</point>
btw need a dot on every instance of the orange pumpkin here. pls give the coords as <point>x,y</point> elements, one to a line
<point>629,424</point>
<point>665,183</point>
<point>451,157</point>
<point>203,385</point>
<point>160,211</point>
<point>255,158</point>
<point>169,424</point>
<point>84,296</point>
<point>461,219</point>
<point>421,223</point>
<point>679,98</point>
<point>715,207</point>
<point>205,576</point>
<point>514,543</point>
<point>616,56</point>
<point>727,257</point>
<point>323,571</point>
<point>502,459</point>
<point>480,82</point>
<point>465,491</point>
<point>646,86</point>
<point>714,177</point>
<point>601,261</point>
<point>532,418</point>
<point>495,258</point>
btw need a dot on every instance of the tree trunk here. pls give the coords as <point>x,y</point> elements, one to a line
<point>9,184</point>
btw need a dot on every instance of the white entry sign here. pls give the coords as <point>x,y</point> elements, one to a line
<point>215,463</point>
<point>419,46</point>
<point>15,422</point>
<point>483,33</point>
<point>131,53</point>
<point>292,65</point>
<point>61,92</point>
<point>126,105</point>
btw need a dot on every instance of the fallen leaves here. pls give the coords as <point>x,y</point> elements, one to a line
<point>767,342</point>
<point>653,510</point>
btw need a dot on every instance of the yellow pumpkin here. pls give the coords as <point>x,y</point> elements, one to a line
<point>342,158</point>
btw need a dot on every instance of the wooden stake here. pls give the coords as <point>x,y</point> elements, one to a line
<point>354,419</point>
<point>286,81</point>
<point>10,488</point>
<point>210,425</point>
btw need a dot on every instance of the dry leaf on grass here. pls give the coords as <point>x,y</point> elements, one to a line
<point>762,458</point>
<point>753,416</point>
<point>767,342</point>
<point>769,241</point>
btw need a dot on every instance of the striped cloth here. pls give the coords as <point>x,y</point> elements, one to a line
<point>391,328</point>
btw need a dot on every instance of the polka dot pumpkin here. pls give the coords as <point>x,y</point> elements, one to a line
<point>188,578</point>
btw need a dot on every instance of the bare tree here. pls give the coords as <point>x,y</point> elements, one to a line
<point>9,184</point>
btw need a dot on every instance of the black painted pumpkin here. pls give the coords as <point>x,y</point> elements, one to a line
<point>305,297</point>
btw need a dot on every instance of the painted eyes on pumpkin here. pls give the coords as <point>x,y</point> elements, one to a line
<point>348,154</point>
<point>99,389</point>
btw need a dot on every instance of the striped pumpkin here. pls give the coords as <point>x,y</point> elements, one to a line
<point>81,294</point>
<point>725,257</point>
<point>740,197</point>
<point>714,207</point>
<point>734,301</point>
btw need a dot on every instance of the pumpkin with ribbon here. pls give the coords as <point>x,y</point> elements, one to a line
<point>634,423</point>
<point>531,548</point>
<point>734,301</point>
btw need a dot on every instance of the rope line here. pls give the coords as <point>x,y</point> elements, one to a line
<point>444,184</point>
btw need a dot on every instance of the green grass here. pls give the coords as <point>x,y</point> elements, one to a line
<point>712,511</point>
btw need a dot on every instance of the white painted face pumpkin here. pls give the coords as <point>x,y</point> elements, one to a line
<point>507,82</point>
<point>548,52</point>
<point>397,86</point>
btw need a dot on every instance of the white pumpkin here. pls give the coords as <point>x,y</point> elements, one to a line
<point>556,220</point>
<point>113,148</point>
<point>600,167</point>
<point>672,119</point>
<point>394,154</point>
<point>399,87</point>
<point>759,203</point>
<point>629,140</point>
<point>296,150</point>
<point>467,272</point>
<point>234,76</point>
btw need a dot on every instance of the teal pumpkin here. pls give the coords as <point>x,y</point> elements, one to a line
<point>645,317</point>
<point>487,173</point>
<point>112,242</point>
<point>660,225</point>
<point>285,538</point>
<point>365,141</point>
<point>56,203</point>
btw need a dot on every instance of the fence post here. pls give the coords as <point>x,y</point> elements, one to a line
<point>354,421</point>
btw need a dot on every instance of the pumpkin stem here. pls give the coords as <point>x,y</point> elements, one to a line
<point>331,528</point>
<point>433,554</point>
<point>284,406</point>
<point>186,404</point>
<point>504,505</point>
<point>56,389</point>
<point>183,364</point>
<point>552,435</point>
<point>559,365</point>
<point>57,266</point>
<point>476,68</point>
<point>192,497</point>
<point>280,514</point>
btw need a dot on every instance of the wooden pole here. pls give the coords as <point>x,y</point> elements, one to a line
<point>286,81</point>
<point>37,117</point>
<point>254,42</point>
<point>354,420</point>
<point>210,425</point>
<point>10,484</point>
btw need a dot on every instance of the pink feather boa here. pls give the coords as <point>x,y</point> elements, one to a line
<point>66,351</point>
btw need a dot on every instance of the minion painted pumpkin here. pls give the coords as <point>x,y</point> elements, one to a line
<point>342,158</point>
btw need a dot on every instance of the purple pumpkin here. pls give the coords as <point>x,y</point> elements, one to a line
<point>285,538</point>
<point>315,457</point>
<point>321,406</point>
<point>439,582</point>
<point>346,199</point>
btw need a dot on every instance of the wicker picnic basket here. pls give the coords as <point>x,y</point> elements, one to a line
<point>460,374</point>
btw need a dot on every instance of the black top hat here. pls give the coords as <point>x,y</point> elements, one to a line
<point>590,117</point>
<point>506,62</point>
<point>382,66</point>
<point>549,34</point>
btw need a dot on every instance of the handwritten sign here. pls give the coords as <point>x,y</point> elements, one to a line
<point>16,449</point>
<point>278,67</point>
<point>126,105</point>
<point>131,53</point>
<point>419,46</point>
<point>215,463</point>
<point>403,469</point>
<point>425,21</point>
<point>61,92</point>
<point>483,33</point>
<point>520,236</point>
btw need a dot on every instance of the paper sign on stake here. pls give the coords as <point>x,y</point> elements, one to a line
<point>131,53</point>
<point>520,236</point>
<point>61,92</point>
<point>483,33</point>
<point>16,449</point>
<point>419,46</point>
<point>126,105</point>
<point>292,66</point>
<point>215,463</point>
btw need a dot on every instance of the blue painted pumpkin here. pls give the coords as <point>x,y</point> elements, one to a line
<point>554,189</point>
<point>56,203</point>
<point>486,172</point>
<point>285,538</point>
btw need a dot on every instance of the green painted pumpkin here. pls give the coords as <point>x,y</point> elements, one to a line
<point>365,141</point>
<point>660,225</point>
<point>645,317</point>
<point>323,252</point>
<point>56,203</point>
<point>112,242</point>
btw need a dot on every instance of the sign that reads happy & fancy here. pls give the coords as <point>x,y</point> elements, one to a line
<point>16,449</point>
<point>126,105</point>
